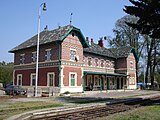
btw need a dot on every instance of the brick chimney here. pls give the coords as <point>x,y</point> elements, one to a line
<point>92,40</point>
<point>46,28</point>
<point>87,39</point>
<point>100,43</point>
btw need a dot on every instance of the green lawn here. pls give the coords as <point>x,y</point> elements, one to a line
<point>142,113</point>
<point>9,108</point>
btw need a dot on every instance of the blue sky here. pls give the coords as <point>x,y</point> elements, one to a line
<point>19,19</point>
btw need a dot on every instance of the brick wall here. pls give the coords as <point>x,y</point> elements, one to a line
<point>71,42</point>
<point>66,71</point>
<point>131,62</point>
<point>109,64</point>
<point>131,69</point>
<point>121,63</point>
<point>42,52</point>
<point>42,80</point>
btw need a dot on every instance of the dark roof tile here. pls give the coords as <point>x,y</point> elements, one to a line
<point>45,37</point>
<point>112,52</point>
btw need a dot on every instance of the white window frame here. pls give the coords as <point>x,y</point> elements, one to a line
<point>46,55</point>
<point>107,64</point>
<point>88,61</point>
<point>71,49</point>
<point>70,79</point>
<point>113,64</point>
<point>22,58</point>
<point>131,65</point>
<point>103,63</point>
<point>48,82</point>
<point>97,62</point>
<point>35,56</point>
<point>31,76</point>
<point>18,79</point>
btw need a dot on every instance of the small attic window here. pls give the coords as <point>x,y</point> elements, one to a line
<point>73,34</point>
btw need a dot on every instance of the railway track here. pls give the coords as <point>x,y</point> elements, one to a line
<point>92,112</point>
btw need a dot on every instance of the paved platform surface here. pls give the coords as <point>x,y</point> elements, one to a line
<point>120,93</point>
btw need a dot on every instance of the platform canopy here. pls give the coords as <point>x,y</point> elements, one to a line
<point>102,73</point>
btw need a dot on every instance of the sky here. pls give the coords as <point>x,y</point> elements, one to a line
<point>19,19</point>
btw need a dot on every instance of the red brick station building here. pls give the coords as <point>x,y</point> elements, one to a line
<point>69,62</point>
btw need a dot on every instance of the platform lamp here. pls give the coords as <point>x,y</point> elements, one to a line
<point>39,14</point>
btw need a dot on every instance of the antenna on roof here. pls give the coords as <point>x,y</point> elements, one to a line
<point>71,18</point>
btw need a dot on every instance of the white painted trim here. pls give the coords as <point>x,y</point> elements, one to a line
<point>97,62</point>
<point>23,57</point>
<point>62,76</point>
<point>18,79</point>
<point>48,73</point>
<point>13,80</point>
<point>70,78</point>
<point>103,63</point>
<point>70,53</point>
<point>48,49</point>
<point>31,75</point>
<point>91,61</point>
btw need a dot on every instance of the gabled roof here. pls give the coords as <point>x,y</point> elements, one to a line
<point>121,52</point>
<point>96,49</point>
<point>61,33</point>
<point>51,36</point>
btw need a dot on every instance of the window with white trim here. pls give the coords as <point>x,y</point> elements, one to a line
<point>48,55</point>
<point>102,63</point>
<point>96,62</point>
<point>131,65</point>
<point>89,61</point>
<point>33,79</point>
<point>50,79</point>
<point>22,58</point>
<point>34,56</point>
<point>107,63</point>
<point>112,64</point>
<point>72,54</point>
<point>19,79</point>
<point>72,79</point>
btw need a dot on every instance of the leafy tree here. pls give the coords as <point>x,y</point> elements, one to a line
<point>6,72</point>
<point>148,12</point>
<point>148,23</point>
<point>127,36</point>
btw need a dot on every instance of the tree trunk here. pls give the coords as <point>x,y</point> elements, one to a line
<point>153,66</point>
<point>149,59</point>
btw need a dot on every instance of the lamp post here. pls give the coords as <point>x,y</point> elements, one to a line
<point>39,14</point>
